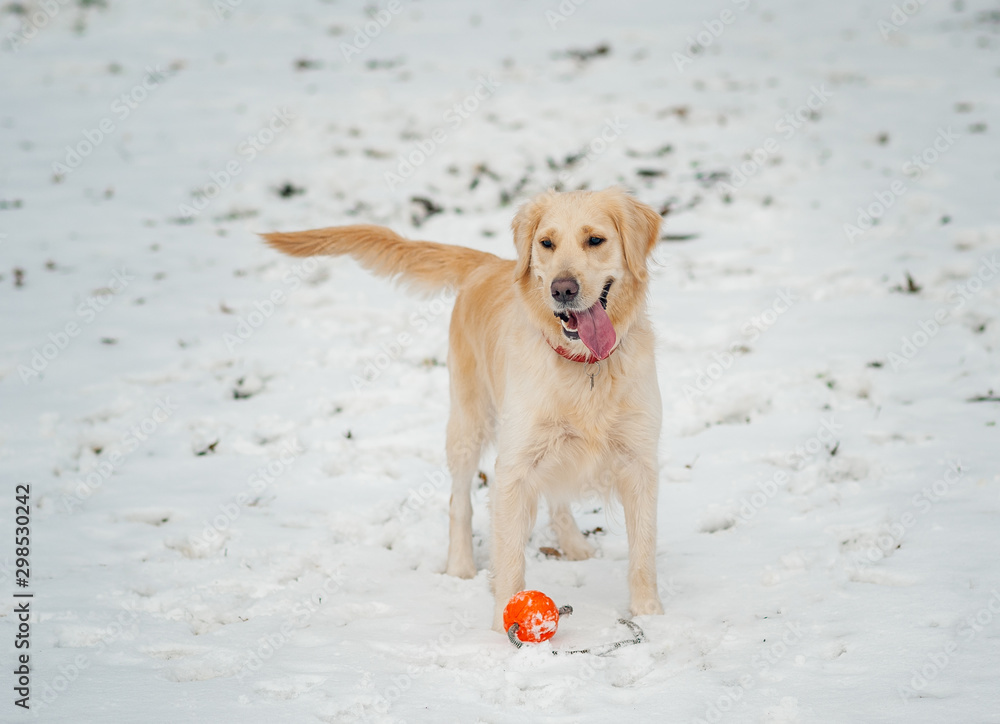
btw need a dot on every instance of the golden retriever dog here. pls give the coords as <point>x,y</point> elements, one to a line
<point>551,359</point>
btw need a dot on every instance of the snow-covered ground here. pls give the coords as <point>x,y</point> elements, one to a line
<point>238,485</point>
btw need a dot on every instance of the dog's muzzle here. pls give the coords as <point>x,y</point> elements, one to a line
<point>568,319</point>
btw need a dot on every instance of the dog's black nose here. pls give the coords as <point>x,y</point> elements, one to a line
<point>565,290</point>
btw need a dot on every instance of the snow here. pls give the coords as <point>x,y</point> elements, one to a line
<point>238,484</point>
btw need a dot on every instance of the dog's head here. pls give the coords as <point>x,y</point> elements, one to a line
<point>581,265</point>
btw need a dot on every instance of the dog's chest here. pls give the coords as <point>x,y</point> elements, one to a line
<point>569,428</point>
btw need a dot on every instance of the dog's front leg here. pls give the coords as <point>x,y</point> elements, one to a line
<point>513,505</point>
<point>637,487</point>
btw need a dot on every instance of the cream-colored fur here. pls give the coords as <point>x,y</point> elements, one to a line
<point>556,436</point>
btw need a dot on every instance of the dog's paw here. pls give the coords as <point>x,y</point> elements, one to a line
<point>647,607</point>
<point>461,569</point>
<point>498,621</point>
<point>577,550</point>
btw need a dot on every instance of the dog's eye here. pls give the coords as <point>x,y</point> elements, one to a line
<point>547,243</point>
<point>595,241</point>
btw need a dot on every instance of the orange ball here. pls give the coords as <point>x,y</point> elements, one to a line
<point>535,614</point>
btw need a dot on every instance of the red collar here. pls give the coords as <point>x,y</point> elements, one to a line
<point>588,359</point>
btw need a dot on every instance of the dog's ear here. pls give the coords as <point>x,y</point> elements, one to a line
<point>525,225</point>
<point>639,229</point>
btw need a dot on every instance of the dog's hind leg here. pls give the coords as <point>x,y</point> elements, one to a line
<point>465,437</point>
<point>574,545</point>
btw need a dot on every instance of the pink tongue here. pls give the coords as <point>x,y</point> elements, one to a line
<point>596,330</point>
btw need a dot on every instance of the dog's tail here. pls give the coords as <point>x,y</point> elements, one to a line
<point>425,265</point>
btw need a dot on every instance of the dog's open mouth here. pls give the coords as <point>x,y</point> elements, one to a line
<point>591,326</point>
